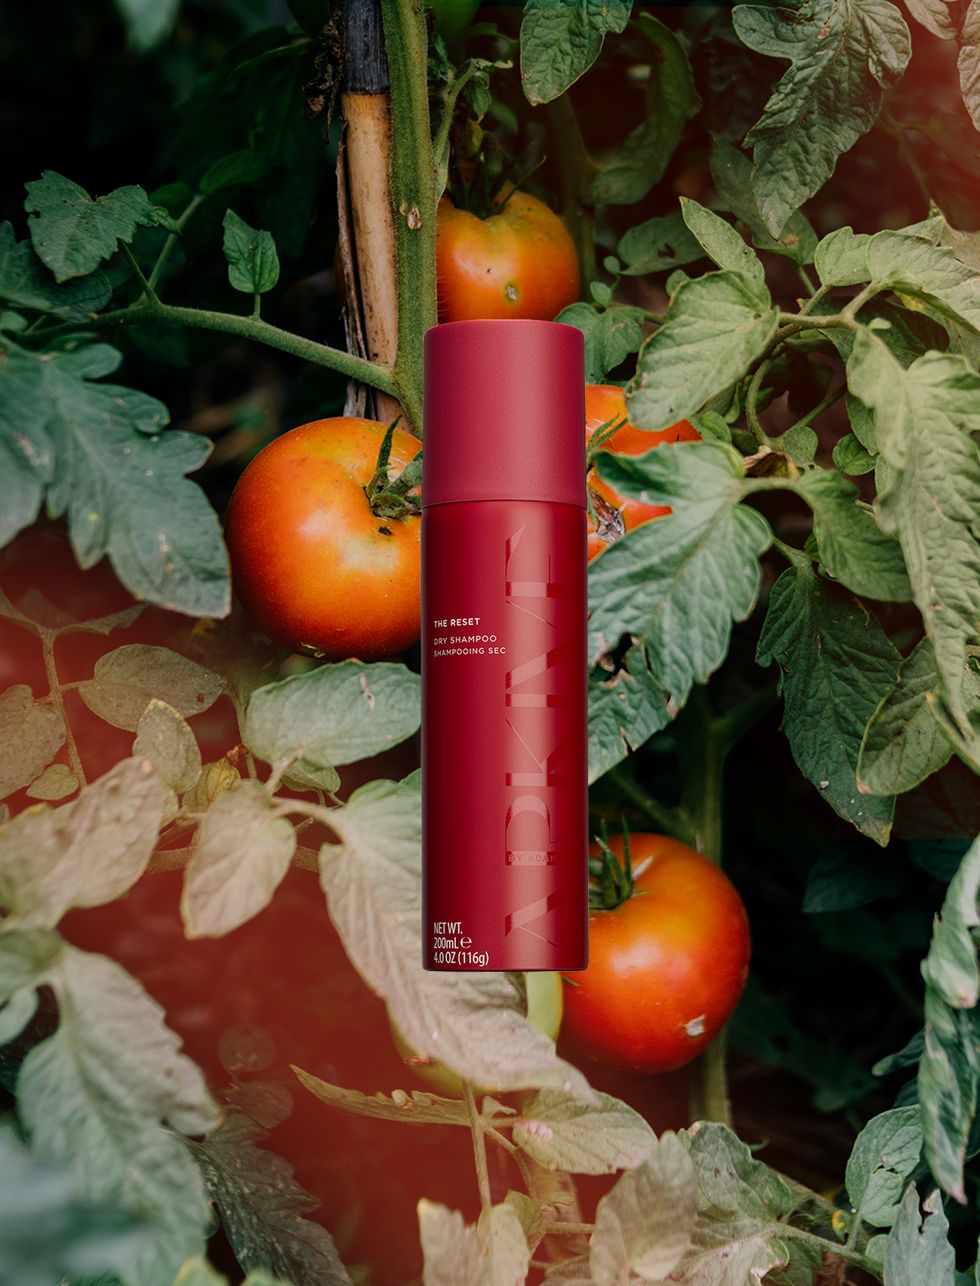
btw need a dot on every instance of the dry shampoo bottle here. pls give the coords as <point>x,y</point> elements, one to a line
<point>504,722</point>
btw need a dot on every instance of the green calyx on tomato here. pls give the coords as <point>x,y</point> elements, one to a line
<point>394,497</point>
<point>610,879</point>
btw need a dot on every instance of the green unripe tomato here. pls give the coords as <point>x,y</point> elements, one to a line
<point>545,999</point>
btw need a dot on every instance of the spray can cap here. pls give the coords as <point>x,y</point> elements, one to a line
<point>504,412</point>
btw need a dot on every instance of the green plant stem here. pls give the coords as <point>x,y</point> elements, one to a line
<point>167,248</point>
<point>479,1147</point>
<point>751,403</point>
<point>825,405</point>
<point>412,180</point>
<point>261,332</point>
<point>804,277</point>
<point>795,556</point>
<point>449,99</point>
<point>819,294</point>
<point>57,697</point>
<point>146,289</point>
<point>669,820</point>
<point>577,173</point>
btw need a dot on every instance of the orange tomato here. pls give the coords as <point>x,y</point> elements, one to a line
<point>604,402</point>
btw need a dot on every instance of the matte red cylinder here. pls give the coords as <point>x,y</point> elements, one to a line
<point>504,673</point>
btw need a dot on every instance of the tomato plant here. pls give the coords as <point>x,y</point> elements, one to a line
<point>309,539</point>
<point>668,956</point>
<point>764,223</point>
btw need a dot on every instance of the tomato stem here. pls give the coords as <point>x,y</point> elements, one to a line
<point>479,1147</point>
<point>56,693</point>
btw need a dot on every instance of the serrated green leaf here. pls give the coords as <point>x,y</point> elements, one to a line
<point>238,169</point>
<point>681,581</point>
<point>658,244</point>
<point>732,174</point>
<point>968,62</point>
<point>947,1089</point>
<point>903,743</point>
<point>918,1249</point>
<point>415,1108</point>
<point>492,1253</point>
<point>336,714</point>
<point>934,273</point>
<point>100,452</point>
<point>934,15</point>
<point>716,329</point>
<point>31,734</point>
<point>563,1133</point>
<point>72,233</point>
<point>96,1096</point>
<point>671,99</point>
<point>263,1208</point>
<point>841,258</point>
<point>85,853</point>
<point>851,456</point>
<point>853,548</point>
<point>843,56</point>
<point>47,1231</point>
<point>25,282</point>
<point>723,245</point>
<point>164,738</point>
<point>884,1154</point>
<point>127,679</point>
<point>253,265</point>
<point>643,1225</point>
<point>625,709</point>
<point>473,1022</point>
<point>836,665</point>
<point>560,42</point>
<point>610,335</point>
<point>241,855</point>
<point>923,419</point>
<point>56,782</point>
<point>950,969</point>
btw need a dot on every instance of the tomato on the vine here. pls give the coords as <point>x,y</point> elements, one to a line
<point>317,563</point>
<point>605,403</point>
<point>518,262</point>
<point>667,963</point>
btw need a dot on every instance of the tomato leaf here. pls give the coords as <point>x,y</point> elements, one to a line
<point>853,548</point>
<point>884,1154</point>
<point>843,56</point>
<point>722,244</point>
<point>679,582</point>
<point>923,419</point>
<point>717,327</point>
<point>416,1108</point>
<point>475,1023</point>
<point>96,1096</point>
<point>903,743</point>
<point>836,665</point>
<point>72,233</point>
<point>56,782</point>
<point>165,739</point>
<point>851,457</point>
<point>610,335</point>
<point>241,854</point>
<point>253,265</point>
<point>732,173</point>
<point>148,21</point>
<point>841,258</point>
<point>563,1133</point>
<point>31,735</point>
<point>492,1253</point>
<point>26,283</point>
<point>625,709</point>
<point>968,62</point>
<point>48,1231</point>
<point>99,452</point>
<point>263,1209</point>
<point>918,1248</point>
<point>665,241</point>
<point>85,853</point>
<point>127,679</point>
<point>336,714</point>
<point>913,266</point>
<point>670,100</point>
<point>560,42</point>
<point>643,1225</point>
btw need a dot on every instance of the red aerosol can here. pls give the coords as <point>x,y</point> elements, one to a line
<point>504,674</point>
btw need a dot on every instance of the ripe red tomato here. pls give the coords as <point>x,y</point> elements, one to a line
<point>666,966</point>
<point>520,262</point>
<point>313,565</point>
<point>604,402</point>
